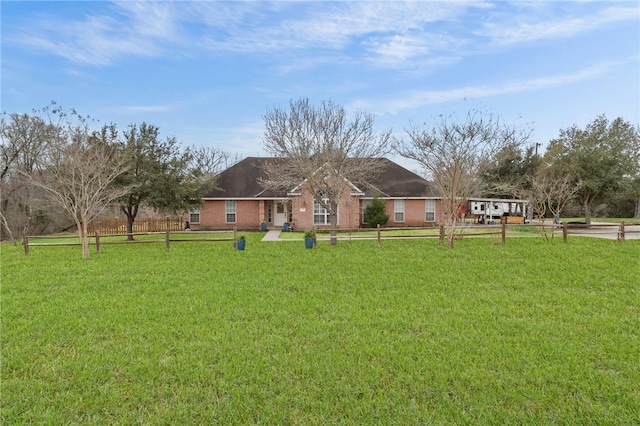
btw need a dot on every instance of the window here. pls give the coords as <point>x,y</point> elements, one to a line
<point>320,214</point>
<point>398,215</point>
<point>430,211</point>
<point>230,210</point>
<point>194,216</point>
<point>269,211</point>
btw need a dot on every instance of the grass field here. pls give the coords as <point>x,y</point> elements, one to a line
<point>409,333</point>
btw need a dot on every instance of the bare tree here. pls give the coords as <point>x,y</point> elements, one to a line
<point>209,160</point>
<point>552,193</point>
<point>455,154</point>
<point>206,162</point>
<point>323,149</point>
<point>78,169</point>
<point>549,193</point>
<point>23,138</point>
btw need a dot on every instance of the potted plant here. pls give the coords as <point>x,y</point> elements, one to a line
<point>241,243</point>
<point>263,226</point>
<point>285,227</point>
<point>308,239</point>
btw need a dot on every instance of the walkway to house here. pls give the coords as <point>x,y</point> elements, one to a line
<point>272,235</point>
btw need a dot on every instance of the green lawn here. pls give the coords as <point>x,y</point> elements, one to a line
<point>409,333</point>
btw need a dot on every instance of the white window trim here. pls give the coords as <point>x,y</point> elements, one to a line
<point>194,212</point>
<point>229,209</point>
<point>398,208</point>
<point>429,207</point>
<point>319,210</point>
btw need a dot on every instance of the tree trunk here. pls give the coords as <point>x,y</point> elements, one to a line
<point>452,233</point>
<point>334,224</point>
<point>84,238</point>
<point>587,211</point>
<point>637,213</point>
<point>130,220</point>
<point>5,225</point>
<point>130,212</point>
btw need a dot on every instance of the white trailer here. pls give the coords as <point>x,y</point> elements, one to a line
<point>487,210</point>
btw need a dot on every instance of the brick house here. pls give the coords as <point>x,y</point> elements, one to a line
<point>240,201</point>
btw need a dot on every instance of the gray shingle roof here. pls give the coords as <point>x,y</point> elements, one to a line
<point>394,180</point>
<point>242,181</point>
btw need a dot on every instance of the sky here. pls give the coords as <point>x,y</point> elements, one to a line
<point>207,72</point>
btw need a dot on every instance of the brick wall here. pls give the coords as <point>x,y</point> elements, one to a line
<point>213,213</point>
<point>414,213</point>
<point>348,212</point>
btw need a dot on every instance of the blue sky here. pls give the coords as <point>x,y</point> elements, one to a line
<point>206,72</point>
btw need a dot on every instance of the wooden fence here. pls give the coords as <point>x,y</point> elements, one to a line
<point>119,225</point>
<point>167,237</point>
<point>620,230</point>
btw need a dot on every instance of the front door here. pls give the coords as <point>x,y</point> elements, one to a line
<point>281,214</point>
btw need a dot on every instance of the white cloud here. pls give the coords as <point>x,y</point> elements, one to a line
<point>102,39</point>
<point>523,30</point>
<point>386,34</point>
<point>430,97</point>
<point>154,28</point>
<point>398,48</point>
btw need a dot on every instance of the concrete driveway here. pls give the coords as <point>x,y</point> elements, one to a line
<point>606,230</point>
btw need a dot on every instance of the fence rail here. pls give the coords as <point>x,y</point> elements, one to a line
<point>95,239</point>
<point>619,230</point>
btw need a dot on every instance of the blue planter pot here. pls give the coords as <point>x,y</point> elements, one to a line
<point>286,227</point>
<point>308,243</point>
<point>242,244</point>
<point>263,226</point>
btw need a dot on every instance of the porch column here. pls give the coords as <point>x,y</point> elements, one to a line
<point>261,209</point>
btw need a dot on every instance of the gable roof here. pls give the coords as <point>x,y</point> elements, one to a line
<point>242,181</point>
<point>393,180</point>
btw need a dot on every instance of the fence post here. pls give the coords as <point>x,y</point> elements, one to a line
<point>504,231</point>
<point>167,240</point>
<point>565,231</point>
<point>98,249</point>
<point>441,234</point>
<point>621,232</point>
<point>235,238</point>
<point>379,236</point>
<point>25,243</point>
<point>315,237</point>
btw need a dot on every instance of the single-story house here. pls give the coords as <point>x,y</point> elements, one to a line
<point>240,200</point>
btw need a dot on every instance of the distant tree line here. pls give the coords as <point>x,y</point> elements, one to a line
<point>587,172</point>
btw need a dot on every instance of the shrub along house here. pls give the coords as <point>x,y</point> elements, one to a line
<point>241,201</point>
